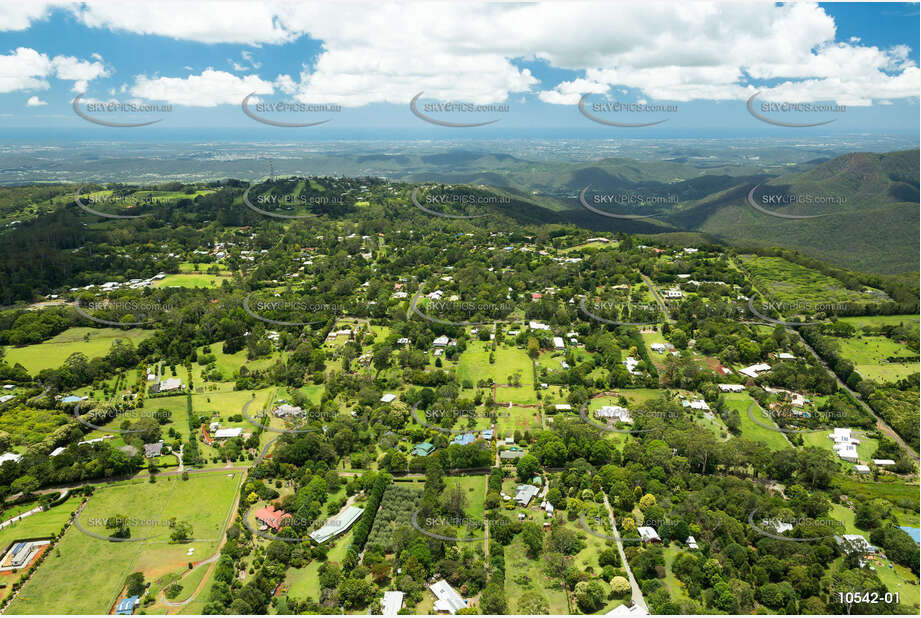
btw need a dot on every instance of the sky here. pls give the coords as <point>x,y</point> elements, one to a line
<point>353,65</point>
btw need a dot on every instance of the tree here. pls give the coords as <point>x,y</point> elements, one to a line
<point>454,501</point>
<point>493,599</point>
<point>25,484</point>
<point>608,556</point>
<point>533,538</point>
<point>119,526</point>
<point>355,593</point>
<point>134,584</point>
<point>590,596</point>
<point>532,603</point>
<point>620,586</point>
<point>527,467</point>
<point>181,532</point>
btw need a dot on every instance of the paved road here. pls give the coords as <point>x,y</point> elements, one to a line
<point>655,294</point>
<point>637,594</point>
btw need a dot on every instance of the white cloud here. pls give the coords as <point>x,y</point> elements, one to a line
<point>20,15</point>
<point>35,102</point>
<point>388,52</point>
<point>27,69</point>
<point>208,89</point>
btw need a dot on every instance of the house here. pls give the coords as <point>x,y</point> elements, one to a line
<point>285,410</point>
<point>547,507</point>
<point>403,341</point>
<point>524,493</point>
<point>862,469</point>
<point>562,407</point>
<point>754,370</point>
<point>508,455</point>
<point>785,356</point>
<point>57,451</point>
<point>391,603</point>
<point>844,445</point>
<point>617,413</point>
<point>884,462</point>
<point>153,449</point>
<point>631,364</point>
<point>9,457</point>
<point>657,347</point>
<point>126,606</point>
<point>673,293</point>
<point>423,449</point>
<point>441,342</point>
<point>337,525</point>
<point>624,610</point>
<point>6,398</point>
<point>447,598</point>
<point>558,343</point>
<point>464,439</point>
<point>856,544</point>
<point>272,517</point>
<point>388,397</point>
<point>692,543</point>
<point>731,388</point>
<point>227,433</point>
<point>537,325</point>
<point>8,387</point>
<point>648,534</point>
<point>696,404</point>
<point>167,386</point>
<point>536,296</point>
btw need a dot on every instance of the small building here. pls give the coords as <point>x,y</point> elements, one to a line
<point>731,388</point>
<point>153,449</point>
<point>272,517</point>
<point>862,469</point>
<point>337,525</point>
<point>391,603</point>
<point>673,293</point>
<point>228,432</point>
<point>786,356</point>
<point>9,457</point>
<point>884,462</point>
<point>423,449</point>
<point>617,413</point>
<point>648,534</point>
<point>692,543</point>
<point>127,605</point>
<point>558,343</point>
<point>844,445</point>
<point>509,455</point>
<point>562,407</point>
<point>388,397</point>
<point>856,544</point>
<point>167,386</point>
<point>286,410</point>
<point>524,494</point>
<point>464,439</point>
<point>447,598</point>
<point>441,342</point>
<point>754,370</point>
<point>657,347</point>
<point>632,364</point>
<point>6,398</point>
<point>487,434</point>
<point>696,404</point>
<point>537,325</point>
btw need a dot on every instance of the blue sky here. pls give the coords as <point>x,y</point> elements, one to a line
<point>702,60</point>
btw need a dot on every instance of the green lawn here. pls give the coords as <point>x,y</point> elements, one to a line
<point>750,429</point>
<point>900,579</point>
<point>524,575</point>
<point>520,419</point>
<point>51,354</point>
<point>304,583</point>
<point>869,354</point>
<point>190,280</point>
<point>85,574</point>
<point>474,488</point>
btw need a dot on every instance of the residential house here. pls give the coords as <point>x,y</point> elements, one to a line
<point>447,598</point>
<point>648,534</point>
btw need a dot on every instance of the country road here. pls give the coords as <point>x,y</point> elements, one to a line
<point>655,294</point>
<point>636,593</point>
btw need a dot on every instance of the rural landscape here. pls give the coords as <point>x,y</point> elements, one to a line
<point>554,377</point>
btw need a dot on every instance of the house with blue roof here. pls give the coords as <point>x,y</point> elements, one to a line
<point>464,439</point>
<point>126,606</point>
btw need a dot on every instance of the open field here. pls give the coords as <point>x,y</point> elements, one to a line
<point>786,282</point>
<point>85,574</point>
<point>524,575</point>
<point>190,280</point>
<point>51,354</point>
<point>304,583</point>
<point>869,354</point>
<point>474,488</point>
<point>751,430</point>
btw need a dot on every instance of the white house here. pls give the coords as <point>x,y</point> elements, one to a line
<point>786,356</point>
<point>673,293</point>
<point>388,397</point>
<point>228,432</point>
<point>615,412</point>
<point>862,469</point>
<point>448,599</point>
<point>558,343</point>
<point>657,347</point>
<point>524,494</point>
<point>697,404</point>
<point>692,543</point>
<point>754,370</point>
<point>537,325</point>
<point>168,385</point>
<point>562,407</point>
<point>631,364</point>
<point>9,457</point>
<point>731,388</point>
<point>649,534</point>
<point>884,462</point>
<point>845,446</point>
<point>391,603</point>
<point>286,410</point>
